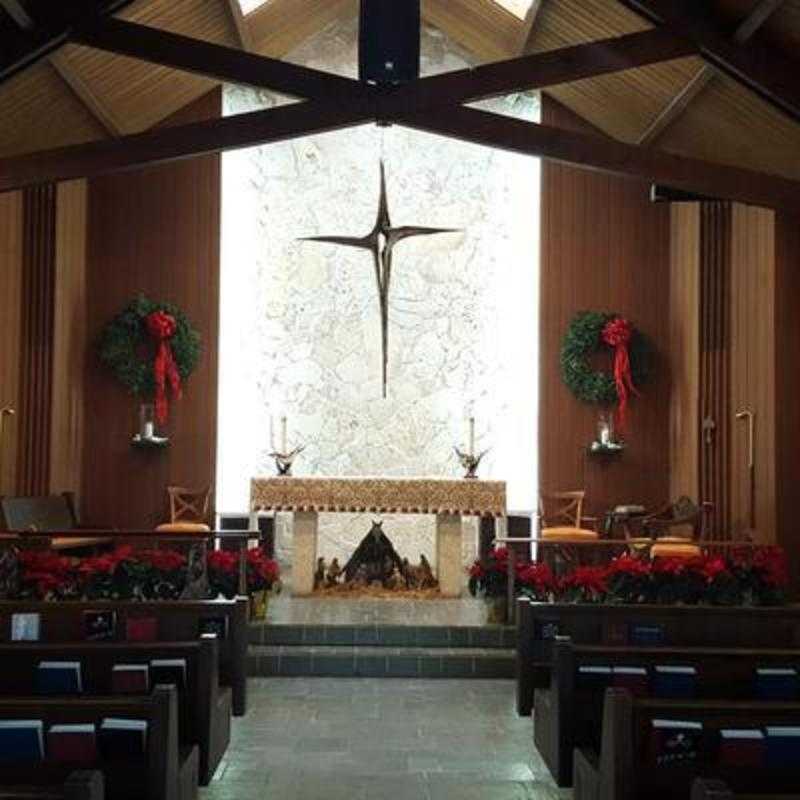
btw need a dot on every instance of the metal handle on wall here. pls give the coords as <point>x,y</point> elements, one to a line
<point>750,416</point>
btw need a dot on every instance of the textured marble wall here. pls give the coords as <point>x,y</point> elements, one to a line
<point>300,321</point>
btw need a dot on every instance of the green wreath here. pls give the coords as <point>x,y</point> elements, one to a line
<point>128,350</point>
<point>583,339</point>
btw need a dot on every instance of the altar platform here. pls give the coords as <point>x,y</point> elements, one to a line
<point>445,638</point>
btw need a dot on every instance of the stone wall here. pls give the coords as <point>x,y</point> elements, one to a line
<point>300,321</point>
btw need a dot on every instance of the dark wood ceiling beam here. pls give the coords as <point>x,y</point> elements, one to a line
<point>183,141</point>
<point>213,60</point>
<point>608,155</point>
<point>763,70</point>
<point>47,36</point>
<point>762,11</point>
<point>468,85</point>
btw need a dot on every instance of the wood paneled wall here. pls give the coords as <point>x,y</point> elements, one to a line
<point>36,340</point>
<point>684,350</point>
<point>157,232</point>
<point>604,246</point>
<point>787,386</point>
<point>752,371</point>
<point>69,338</point>
<point>11,215</point>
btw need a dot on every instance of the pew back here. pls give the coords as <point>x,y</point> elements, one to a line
<point>568,714</point>
<point>178,621</point>
<point>79,785</point>
<point>155,778</point>
<point>204,716</point>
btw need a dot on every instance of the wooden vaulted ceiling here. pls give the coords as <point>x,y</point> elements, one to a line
<point>684,106</point>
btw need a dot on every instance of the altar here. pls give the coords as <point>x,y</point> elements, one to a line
<point>449,499</point>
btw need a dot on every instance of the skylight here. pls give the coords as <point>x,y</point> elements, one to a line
<point>250,5</point>
<point>519,8</point>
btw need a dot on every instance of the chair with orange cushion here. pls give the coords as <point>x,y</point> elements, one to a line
<point>188,510</point>
<point>678,529</point>
<point>561,518</point>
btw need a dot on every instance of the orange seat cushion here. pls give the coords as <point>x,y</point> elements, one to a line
<point>675,548</point>
<point>183,527</point>
<point>569,535</point>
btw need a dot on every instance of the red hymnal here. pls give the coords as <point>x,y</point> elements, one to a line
<point>141,629</point>
<point>130,679</point>
<point>73,744</point>
<point>742,748</point>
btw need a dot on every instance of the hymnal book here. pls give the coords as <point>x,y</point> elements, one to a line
<point>216,625</point>
<point>168,670</point>
<point>777,683</point>
<point>59,677</point>
<point>141,629</point>
<point>740,747</point>
<point>26,627</point>
<point>546,629</point>
<point>675,682</point>
<point>783,746</point>
<point>21,740</point>
<point>130,679</point>
<point>644,635</point>
<point>634,679</point>
<point>675,741</point>
<point>99,626</point>
<point>74,744</point>
<point>122,739</point>
<point>594,677</point>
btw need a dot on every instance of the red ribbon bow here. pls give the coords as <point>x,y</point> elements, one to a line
<point>161,326</point>
<point>617,333</point>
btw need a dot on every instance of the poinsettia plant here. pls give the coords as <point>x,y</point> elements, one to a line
<point>46,575</point>
<point>536,580</point>
<point>263,572</point>
<point>583,585</point>
<point>489,577</point>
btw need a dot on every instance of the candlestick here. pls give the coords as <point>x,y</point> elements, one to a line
<point>283,435</point>
<point>472,436</point>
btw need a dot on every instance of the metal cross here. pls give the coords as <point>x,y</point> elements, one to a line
<point>380,241</point>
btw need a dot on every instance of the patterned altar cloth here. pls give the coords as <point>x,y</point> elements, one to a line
<point>380,495</point>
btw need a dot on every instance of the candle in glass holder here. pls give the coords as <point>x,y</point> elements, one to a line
<point>472,436</point>
<point>283,435</point>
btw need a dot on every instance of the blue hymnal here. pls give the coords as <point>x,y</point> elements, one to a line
<point>594,677</point>
<point>776,683</point>
<point>675,682</point>
<point>59,677</point>
<point>122,739</point>
<point>783,746</point>
<point>645,635</point>
<point>21,740</point>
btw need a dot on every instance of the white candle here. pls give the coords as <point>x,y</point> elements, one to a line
<point>283,436</point>
<point>271,433</point>
<point>149,430</point>
<point>472,436</point>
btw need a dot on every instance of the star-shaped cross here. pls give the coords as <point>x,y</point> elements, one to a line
<point>380,241</point>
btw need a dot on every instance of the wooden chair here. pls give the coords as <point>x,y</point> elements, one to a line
<point>561,517</point>
<point>678,528</point>
<point>188,509</point>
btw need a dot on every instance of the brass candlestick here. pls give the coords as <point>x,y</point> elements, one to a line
<point>470,462</point>
<point>284,461</point>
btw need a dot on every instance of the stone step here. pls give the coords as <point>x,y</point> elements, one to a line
<point>451,636</point>
<point>380,662</point>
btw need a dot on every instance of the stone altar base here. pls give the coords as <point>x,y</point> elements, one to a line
<point>380,639</point>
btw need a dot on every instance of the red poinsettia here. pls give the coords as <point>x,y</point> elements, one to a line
<point>583,585</point>
<point>536,580</point>
<point>46,575</point>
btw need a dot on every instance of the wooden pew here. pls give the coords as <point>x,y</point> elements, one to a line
<point>623,770</point>
<point>683,626</point>
<point>168,772</point>
<point>567,716</point>
<point>204,709</point>
<point>87,784</point>
<point>710,789</point>
<point>178,621</point>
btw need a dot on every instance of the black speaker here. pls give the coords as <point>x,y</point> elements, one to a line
<point>389,37</point>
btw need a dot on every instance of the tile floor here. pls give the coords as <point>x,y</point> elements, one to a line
<point>367,739</point>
